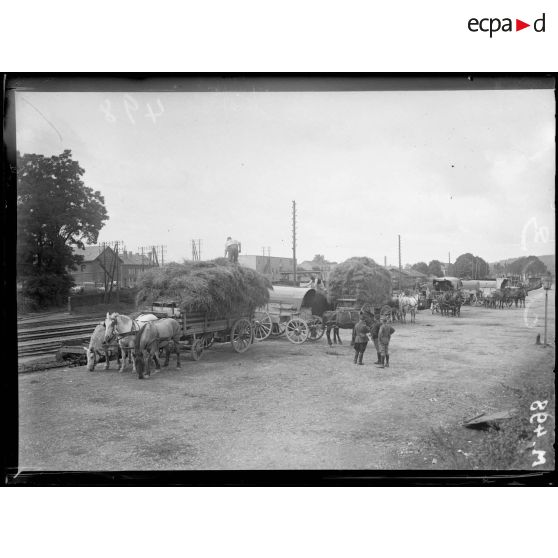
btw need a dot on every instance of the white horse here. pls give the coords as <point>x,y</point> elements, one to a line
<point>98,348</point>
<point>408,304</point>
<point>125,330</point>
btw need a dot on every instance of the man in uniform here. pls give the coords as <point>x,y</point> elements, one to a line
<point>374,330</point>
<point>384,336</point>
<point>360,339</point>
<point>232,249</point>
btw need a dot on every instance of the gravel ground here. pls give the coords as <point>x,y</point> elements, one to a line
<point>285,406</point>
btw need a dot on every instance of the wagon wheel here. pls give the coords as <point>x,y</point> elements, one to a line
<point>297,331</point>
<point>241,335</point>
<point>315,328</point>
<point>509,302</point>
<point>262,326</point>
<point>278,329</point>
<point>197,349</point>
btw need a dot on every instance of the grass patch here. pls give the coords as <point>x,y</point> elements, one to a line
<point>508,444</point>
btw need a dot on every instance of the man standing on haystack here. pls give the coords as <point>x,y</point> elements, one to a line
<point>384,336</point>
<point>360,339</point>
<point>232,249</point>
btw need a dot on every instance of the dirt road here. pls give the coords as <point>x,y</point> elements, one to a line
<point>285,406</point>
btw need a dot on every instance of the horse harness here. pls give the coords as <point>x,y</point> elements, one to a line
<point>135,328</point>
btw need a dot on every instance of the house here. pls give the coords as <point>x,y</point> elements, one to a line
<point>407,279</point>
<point>98,263</point>
<point>132,266</point>
<point>274,268</point>
<point>101,264</point>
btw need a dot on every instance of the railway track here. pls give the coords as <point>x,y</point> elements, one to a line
<point>44,335</point>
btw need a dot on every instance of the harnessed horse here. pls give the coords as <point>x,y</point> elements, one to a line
<point>408,304</point>
<point>125,330</point>
<point>153,336</point>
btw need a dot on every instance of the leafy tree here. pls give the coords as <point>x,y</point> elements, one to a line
<point>528,265</point>
<point>421,267</point>
<point>471,266</point>
<point>55,211</point>
<point>435,268</point>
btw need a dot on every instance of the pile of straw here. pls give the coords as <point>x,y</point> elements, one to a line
<point>215,287</point>
<point>360,278</point>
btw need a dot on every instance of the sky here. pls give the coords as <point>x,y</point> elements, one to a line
<point>449,171</point>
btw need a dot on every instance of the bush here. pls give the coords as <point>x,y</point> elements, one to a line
<point>48,289</point>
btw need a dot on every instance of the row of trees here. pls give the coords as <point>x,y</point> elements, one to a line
<point>474,267</point>
<point>55,212</point>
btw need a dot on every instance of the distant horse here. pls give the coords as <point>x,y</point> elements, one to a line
<point>99,348</point>
<point>152,337</point>
<point>125,330</point>
<point>408,305</point>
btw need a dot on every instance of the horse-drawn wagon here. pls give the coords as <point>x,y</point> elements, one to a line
<point>291,311</point>
<point>200,330</point>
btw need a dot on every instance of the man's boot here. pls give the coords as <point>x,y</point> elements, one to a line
<point>356,357</point>
<point>381,362</point>
<point>379,358</point>
<point>387,361</point>
<point>360,355</point>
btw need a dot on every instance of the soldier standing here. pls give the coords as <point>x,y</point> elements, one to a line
<point>384,336</point>
<point>374,331</point>
<point>360,339</point>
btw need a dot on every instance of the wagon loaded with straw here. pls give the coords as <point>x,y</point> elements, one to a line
<point>214,302</point>
<point>291,311</point>
<point>357,285</point>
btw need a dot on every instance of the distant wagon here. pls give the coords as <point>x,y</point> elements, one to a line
<point>291,311</point>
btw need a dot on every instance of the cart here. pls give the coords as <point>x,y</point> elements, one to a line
<point>288,312</point>
<point>200,330</point>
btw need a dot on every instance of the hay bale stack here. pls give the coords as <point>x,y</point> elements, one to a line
<point>216,287</point>
<point>360,278</point>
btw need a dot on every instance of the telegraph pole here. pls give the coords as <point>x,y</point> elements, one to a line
<point>196,249</point>
<point>399,245</point>
<point>294,242</point>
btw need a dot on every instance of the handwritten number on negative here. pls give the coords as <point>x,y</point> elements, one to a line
<point>539,405</point>
<point>105,108</point>
<point>153,115</point>
<point>130,104</point>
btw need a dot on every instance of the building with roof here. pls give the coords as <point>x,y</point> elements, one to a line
<point>274,268</point>
<point>101,263</point>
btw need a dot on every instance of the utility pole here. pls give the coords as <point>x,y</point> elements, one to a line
<point>294,242</point>
<point>196,249</point>
<point>385,261</point>
<point>399,246</point>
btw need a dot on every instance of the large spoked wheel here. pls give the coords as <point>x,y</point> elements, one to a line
<point>297,331</point>
<point>278,329</point>
<point>262,326</point>
<point>241,335</point>
<point>509,302</point>
<point>197,349</point>
<point>315,328</point>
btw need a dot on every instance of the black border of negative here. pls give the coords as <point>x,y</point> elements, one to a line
<point>210,83</point>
